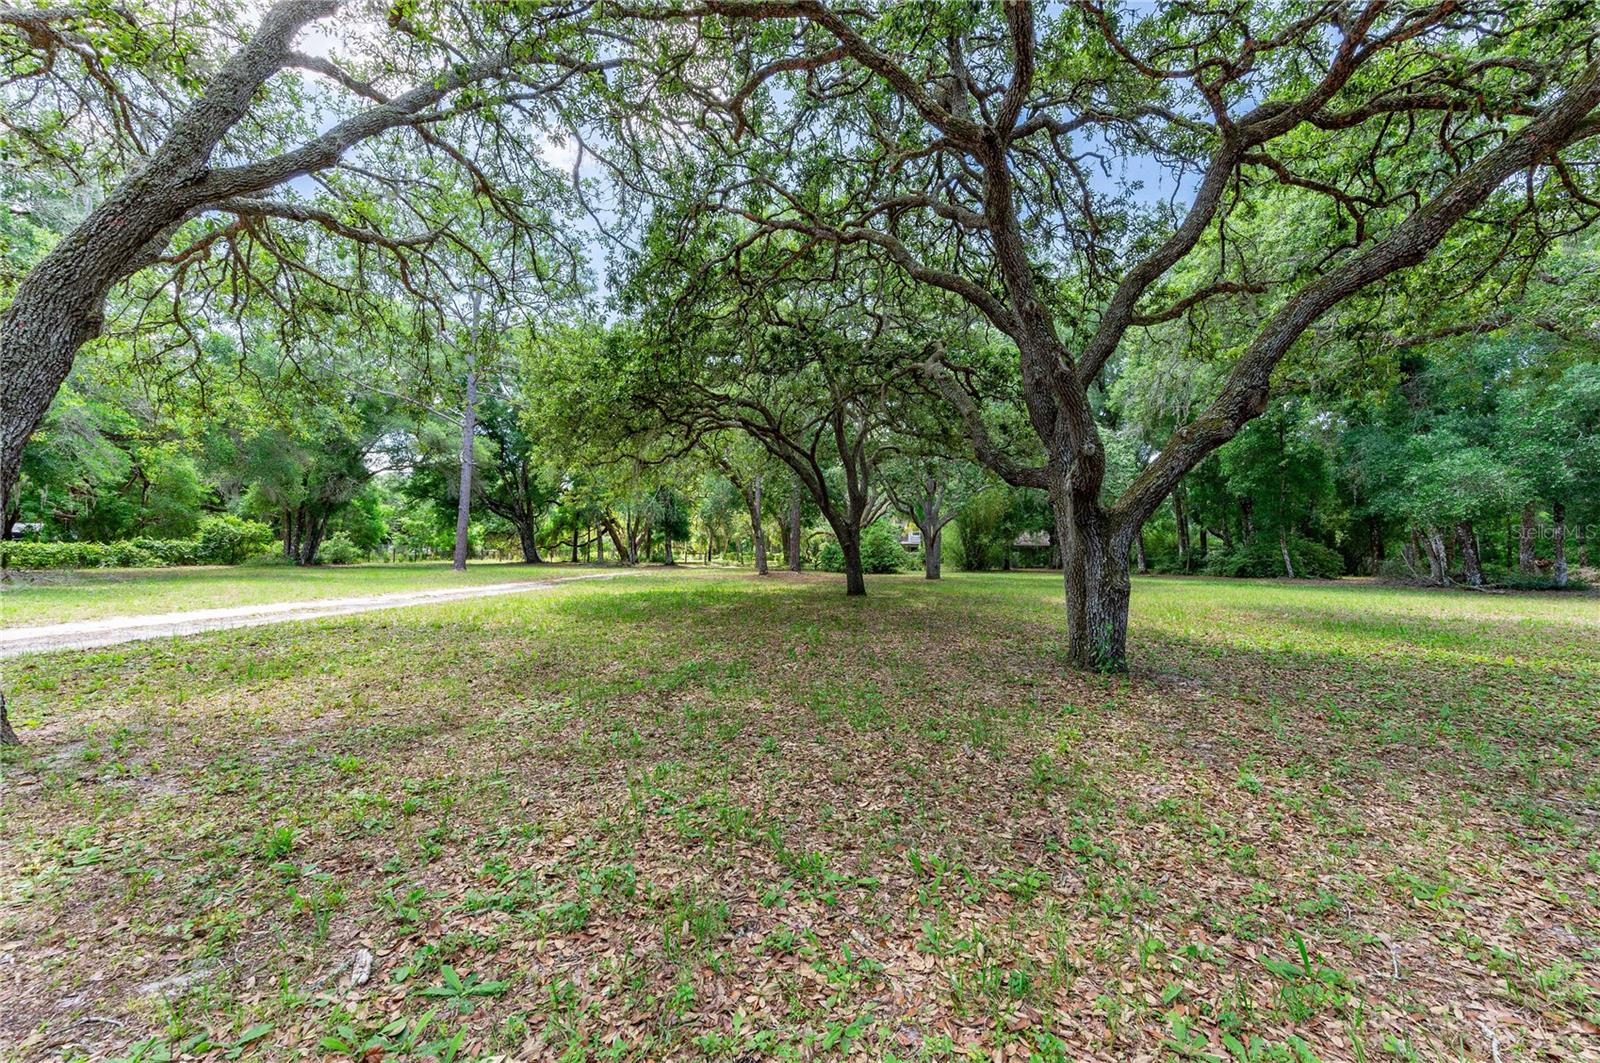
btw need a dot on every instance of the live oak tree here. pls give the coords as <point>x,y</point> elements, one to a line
<point>1031,161</point>
<point>202,146</point>
<point>805,354</point>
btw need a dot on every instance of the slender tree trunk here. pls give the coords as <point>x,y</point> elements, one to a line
<point>793,532</point>
<point>1283,546</point>
<point>1527,536</point>
<point>1471,568</point>
<point>469,421</point>
<point>1375,544</point>
<point>1558,514</point>
<point>757,531</point>
<point>1438,561</point>
<point>1180,513</point>
<point>1138,548</point>
<point>667,550</point>
<point>1247,517</point>
<point>599,544</point>
<point>574,545</point>
<point>1583,545</point>
<point>1409,552</point>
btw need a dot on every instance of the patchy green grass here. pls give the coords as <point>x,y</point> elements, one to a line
<point>727,818</point>
<point>33,598</point>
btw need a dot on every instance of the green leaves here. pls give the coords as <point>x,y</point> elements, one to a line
<point>463,992</point>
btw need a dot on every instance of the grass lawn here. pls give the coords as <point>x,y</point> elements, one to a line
<point>33,598</point>
<point>704,816</point>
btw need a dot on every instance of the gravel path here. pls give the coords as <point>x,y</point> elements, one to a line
<point>85,634</point>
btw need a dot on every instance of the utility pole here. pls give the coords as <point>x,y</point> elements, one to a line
<point>469,421</point>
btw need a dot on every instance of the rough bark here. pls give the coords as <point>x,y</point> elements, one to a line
<point>792,533</point>
<point>933,553</point>
<point>528,541</point>
<point>8,737</point>
<point>1438,560</point>
<point>1527,538</point>
<point>1095,572</point>
<point>855,580</point>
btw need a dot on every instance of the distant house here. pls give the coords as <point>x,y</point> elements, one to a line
<point>911,539</point>
<point>25,528</point>
<point>1032,550</point>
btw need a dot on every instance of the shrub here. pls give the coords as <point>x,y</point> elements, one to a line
<point>222,540</point>
<point>339,550</point>
<point>133,554</point>
<point>1263,557</point>
<point>228,540</point>
<point>880,551</point>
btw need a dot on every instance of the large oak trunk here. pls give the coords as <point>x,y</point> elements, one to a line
<point>932,551</point>
<point>529,543</point>
<point>855,580</point>
<point>1094,556</point>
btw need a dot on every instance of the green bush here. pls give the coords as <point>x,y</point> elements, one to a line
<point>881,551</point>
<point>229,540</point>
<point>339,550</point>
<point>222,540</point>
<point>1263,557</point>
<point>132,554</point>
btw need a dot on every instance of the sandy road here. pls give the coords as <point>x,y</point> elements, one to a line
<point>108,631</point>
